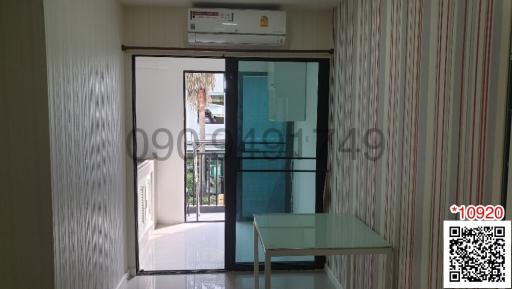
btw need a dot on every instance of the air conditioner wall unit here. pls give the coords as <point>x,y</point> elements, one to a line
<point>228,27</point>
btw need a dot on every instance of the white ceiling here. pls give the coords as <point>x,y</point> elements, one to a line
<point>270,4</point>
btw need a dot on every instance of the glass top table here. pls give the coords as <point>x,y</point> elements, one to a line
<point>315,231</point>
<point>313,234</point>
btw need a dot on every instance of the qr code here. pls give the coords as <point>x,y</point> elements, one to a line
<point>477,254</point>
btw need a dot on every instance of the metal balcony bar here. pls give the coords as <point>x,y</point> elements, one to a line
<point>205,176</point>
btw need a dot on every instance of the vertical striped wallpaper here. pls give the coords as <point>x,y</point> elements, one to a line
<point>429,75</point>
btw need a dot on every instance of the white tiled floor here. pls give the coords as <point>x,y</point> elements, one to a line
<point>188,246</point>
<point>233,280</point>
<point>194,246</point>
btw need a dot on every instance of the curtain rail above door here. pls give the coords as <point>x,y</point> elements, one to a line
<point>228,50</point>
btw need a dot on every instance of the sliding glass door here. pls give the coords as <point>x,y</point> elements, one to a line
<point>276,162</point>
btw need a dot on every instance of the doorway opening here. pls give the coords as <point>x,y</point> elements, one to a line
<point>217,141</point>
<point>204,93</point>
<point>179,122</point>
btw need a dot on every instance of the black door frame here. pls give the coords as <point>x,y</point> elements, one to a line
<point>232,163</point>
<point>231,166</point>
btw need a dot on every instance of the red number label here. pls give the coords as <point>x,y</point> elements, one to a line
<point>479,212</point>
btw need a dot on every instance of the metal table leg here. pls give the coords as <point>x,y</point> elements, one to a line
<point>256,260</point>
<point>268,269</point>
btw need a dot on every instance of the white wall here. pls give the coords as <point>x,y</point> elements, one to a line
<point>160,104</point>
<point>167,26</point>
<point>26,238</point>
<point>83,39</point>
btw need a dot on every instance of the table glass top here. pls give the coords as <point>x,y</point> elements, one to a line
<point>316,231</point>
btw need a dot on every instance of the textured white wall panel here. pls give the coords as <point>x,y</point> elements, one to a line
<point>86,122</point>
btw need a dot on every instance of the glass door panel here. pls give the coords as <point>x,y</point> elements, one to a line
<point>276,145</point>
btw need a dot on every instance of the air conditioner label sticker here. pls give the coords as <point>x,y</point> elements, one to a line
<point>205,14</point>
<point>264,21</point>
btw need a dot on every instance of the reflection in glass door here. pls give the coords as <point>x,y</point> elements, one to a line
<point>275,163</point>
<point>261,143</point>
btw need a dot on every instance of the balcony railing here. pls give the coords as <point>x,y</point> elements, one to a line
<point>204,178</point>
